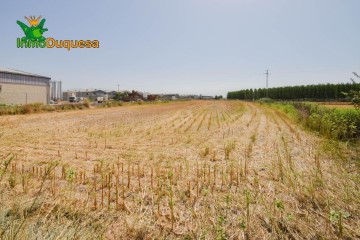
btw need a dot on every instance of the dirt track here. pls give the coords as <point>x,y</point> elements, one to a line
<point>267,177</point>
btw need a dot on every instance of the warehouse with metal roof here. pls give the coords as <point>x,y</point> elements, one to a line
<point>18,87</point>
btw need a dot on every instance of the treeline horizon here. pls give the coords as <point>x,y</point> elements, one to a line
<point>314,91</point>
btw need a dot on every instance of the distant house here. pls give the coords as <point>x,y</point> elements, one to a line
<point>99,93</point>
<point>206,97</point>
<point>134,97</point>
<point>189,96</point>
<point>69,94</point>
<point>112,94</point>
<point>152,97</point>
<point>170,96</point>
<point>91,94</point>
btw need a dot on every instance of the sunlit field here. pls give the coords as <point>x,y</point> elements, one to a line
<point>338,105</point>
<point>181,170</point>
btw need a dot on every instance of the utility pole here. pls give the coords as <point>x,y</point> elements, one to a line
<point>267,83</point>
<point>118,87</point>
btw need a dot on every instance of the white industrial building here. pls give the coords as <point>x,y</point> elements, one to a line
<point>18,87</point>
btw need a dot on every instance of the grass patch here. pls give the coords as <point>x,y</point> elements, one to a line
<point>340,124</point>
<point>38,108</point>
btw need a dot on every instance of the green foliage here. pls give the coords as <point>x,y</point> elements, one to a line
<point>279,204</point>
<point>354,95</point>
<point>340,124</point>
<point>228,200</point>
<point>220,230</point>
<point>335,216</point>
<point>265,100</point>
<point>319,91</point>
<point>119,96</point>
<point>242,225</point>
<point>70,175</point>
<point>289,109</point>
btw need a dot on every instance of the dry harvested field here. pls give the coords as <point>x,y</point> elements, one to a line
<point>344,106</point>
<point>182,170</point>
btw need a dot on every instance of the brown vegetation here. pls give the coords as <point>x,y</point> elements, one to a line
<point>185,170</point>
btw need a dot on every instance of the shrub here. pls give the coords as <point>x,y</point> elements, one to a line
<point>265,100</point>
<point>27,109</point>
<point>87,103</point>
<point>341,124</point>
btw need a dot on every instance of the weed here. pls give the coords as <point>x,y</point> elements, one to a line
<point>220,229</point>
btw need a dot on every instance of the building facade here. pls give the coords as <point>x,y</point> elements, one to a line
<point>56,90</point>
<point>169,96</point>
<point>18,87</point>
<point>90,94</point>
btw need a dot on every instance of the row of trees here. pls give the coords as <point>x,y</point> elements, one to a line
<point>319,91</point>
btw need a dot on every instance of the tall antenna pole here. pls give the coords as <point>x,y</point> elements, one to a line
<point>267,83</point>
<point>118,87</point>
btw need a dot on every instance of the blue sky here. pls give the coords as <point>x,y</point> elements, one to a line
<point>189,46</point>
